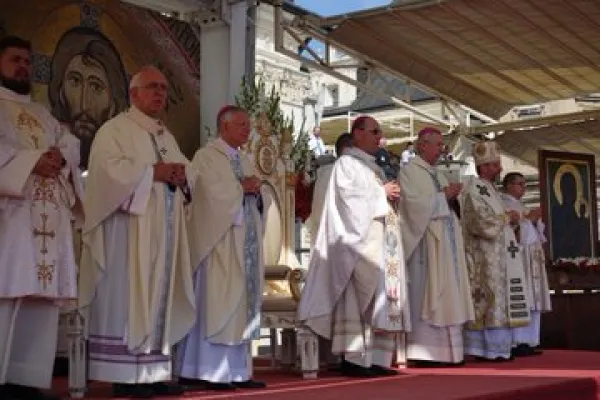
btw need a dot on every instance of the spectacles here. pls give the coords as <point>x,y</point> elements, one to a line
<point>155,86</point>
<point>517,183</point>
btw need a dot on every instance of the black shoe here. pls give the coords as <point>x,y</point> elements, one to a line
<point>192,384</point>
<point>18,392</point>
<point>355,371</point>
<point>524,350</point>
<point>167,389</point>
<point>219,386</point>
<point>378,370</point>
<point>249,384</point>
<point>133,391</point>
<point>434,364</point>
<point>494,360</point>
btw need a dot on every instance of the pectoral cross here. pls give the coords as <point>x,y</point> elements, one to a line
<point>163,151</point>
<point>44,233</point>
<point>483,190</point>
<point>512,249</point>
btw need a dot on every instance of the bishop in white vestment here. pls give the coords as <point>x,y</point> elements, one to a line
<point>226,239</point>
<point>494,260</point>
<point>39,197</point>
<point>355,292</point>
<point>439,290</point>
<point>531,237</point>
<point>136,278</point>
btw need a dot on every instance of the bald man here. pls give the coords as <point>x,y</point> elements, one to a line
<point>136,277</point>
<point>356,294</point>
<point>225,232</point>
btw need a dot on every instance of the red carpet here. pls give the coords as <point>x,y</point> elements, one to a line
<point>555,375</point>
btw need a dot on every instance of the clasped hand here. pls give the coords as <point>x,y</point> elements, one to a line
<point>250,185</point>
<point>392,190</point>
<point>170,173</point>
<point>453,190</point>
<point>513,216</point>
<point>534,214</point>
<point>49,164</point>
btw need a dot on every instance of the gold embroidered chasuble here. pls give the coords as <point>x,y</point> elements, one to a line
<point>36,245</point>
<point>494,260</point>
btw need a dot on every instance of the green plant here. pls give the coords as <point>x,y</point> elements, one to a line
<point>300,153</point>
<point>253,97</point>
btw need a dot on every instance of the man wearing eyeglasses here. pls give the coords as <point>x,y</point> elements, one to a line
<point>530,234</point>
<point>136,276</point>
<point>439,290</point>
<point>355,293</point>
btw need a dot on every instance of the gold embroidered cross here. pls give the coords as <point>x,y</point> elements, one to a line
<point>44,233</point>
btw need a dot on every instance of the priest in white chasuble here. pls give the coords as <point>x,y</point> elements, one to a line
<point>136,279</point>
<point>439,290</point>
<point>494,260</point>
<point>355,292</point>
<point>530,234</point>
<point>39,197</point>
<point>226,239</point>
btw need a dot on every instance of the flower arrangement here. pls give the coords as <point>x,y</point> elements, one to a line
<point>578,263</point>
<point>265,110</point>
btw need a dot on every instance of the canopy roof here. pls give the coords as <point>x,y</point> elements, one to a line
<point>487,55</point>
<point>576,132</point>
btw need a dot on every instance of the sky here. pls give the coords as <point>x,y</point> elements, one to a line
<point>334,7</point>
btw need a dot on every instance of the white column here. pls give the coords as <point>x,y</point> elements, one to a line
<point>214,76</point>
<point>223,63</point>
<point>237,47</point>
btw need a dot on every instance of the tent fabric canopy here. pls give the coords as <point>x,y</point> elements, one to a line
<point>487,55</point>
<point>580,135</point>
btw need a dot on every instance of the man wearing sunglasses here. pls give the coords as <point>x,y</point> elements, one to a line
<point>355,293</point>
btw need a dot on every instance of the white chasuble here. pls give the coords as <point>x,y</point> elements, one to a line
<point>36,241</point>
<point>225,232</point>
<point>135,254</point>
<point>494,260</point>
<point>440,295</point>
<point>431,227</point>
<point>532,239</point>
<point>357,264</point>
